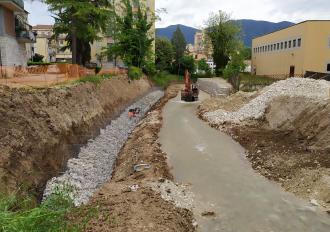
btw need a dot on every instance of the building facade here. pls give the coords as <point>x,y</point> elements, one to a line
<point>293,51</point>
<point>15,34</point>
<point>49,47</point>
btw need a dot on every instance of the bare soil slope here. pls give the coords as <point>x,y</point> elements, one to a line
<point>41,129</point>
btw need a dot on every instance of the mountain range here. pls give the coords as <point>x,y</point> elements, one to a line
<point>250,30</point>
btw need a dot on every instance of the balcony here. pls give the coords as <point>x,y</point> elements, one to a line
<point>23,31</point>
<point>14,5</point>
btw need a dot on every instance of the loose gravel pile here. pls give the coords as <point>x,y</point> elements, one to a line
<point>94,164</point>
<point>255,109</point>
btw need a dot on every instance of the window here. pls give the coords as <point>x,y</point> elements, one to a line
<point>286,45</point>
<point>294,43</point>
<point>278,46</point>
<point>281,45</point>
<point>290,42</point>
<point>271,47</point>
<point>328,67</point>
<point>268,47</point>
<point>299,42</point>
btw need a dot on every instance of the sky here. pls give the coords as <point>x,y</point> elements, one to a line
<point>195,12</point>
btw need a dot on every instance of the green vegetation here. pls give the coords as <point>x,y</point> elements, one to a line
<point>134,73</point>
<point>179,44</point>
<point>132,42</point>
<point>37,58</point>
<point>30,63</point>
<point>187,63</point>
<point>223,35</point>
<point>164,54</point>
<point>95,79</point>
<point>204,70</point>
<point>81,21</point>
<point>163,79</point>
<point>249,79</point>
<point>20,214</point>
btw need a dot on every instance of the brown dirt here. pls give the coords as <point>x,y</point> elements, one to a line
<point>40,129</point>
<point>119,208</point>
<point>289,146</point>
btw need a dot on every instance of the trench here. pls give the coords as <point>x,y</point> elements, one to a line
<point>93,165</point>
<point>223,181</point>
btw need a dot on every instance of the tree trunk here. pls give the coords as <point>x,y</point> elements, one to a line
<point>74,42</point>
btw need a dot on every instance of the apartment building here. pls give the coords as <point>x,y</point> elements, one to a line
<point>106,40</point>
<point>293,51</point>
<point>15,35</point>
<point>49,47</point>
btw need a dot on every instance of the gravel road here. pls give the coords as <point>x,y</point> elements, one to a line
<point>94,164</point>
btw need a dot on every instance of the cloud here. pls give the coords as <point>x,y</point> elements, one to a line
<point>195,12</point>
<point>38,12</point>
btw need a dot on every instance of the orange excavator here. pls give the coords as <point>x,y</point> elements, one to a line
<point>190,92</point>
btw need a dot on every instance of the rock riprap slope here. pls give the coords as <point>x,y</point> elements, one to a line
<point>255,109</point>
<point>94,164</point>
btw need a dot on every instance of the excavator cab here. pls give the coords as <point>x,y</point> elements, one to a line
<point>190,92</point>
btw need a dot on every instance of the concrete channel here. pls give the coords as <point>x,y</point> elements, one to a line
<point>223,181</point>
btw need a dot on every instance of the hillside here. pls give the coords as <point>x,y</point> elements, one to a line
<point>167,32</point>
<point>253,28</point>
<point>250,30</point>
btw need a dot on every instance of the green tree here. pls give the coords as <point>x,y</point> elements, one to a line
<point>164,54</point>
<point>247,53</point>
<point>187,62</point>
<point>223,34</point>
<point>179,45</point>
<point>203,66</point>
<point>132,41</point>
<point>234,67</point>
<point>81,21</point>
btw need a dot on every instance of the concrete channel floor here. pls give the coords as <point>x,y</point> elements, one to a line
<point>223,181</point>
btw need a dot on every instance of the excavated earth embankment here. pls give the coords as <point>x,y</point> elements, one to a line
<point>286,131</point>
<point>41,129</point>
<point>141,195</point>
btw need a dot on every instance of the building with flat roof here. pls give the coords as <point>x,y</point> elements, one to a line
<point>293,51</point>
<point>15,35</point>
<point>49,47</point>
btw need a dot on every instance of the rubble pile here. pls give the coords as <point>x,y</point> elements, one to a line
<point>255,109</point>
<point>94,164</point>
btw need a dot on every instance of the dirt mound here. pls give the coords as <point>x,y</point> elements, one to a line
<point>41,129</point>
<point>286,131</point>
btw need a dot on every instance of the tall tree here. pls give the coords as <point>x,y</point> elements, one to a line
<point>223,34</point>
<point>133,42</point>
<point>81,22</point>
<point>164,54</point>
<point>179,44</point>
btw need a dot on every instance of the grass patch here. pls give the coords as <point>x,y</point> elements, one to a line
<point>164,79</point>
<point>18,214</point>
<point>249,79</point>
<point>95,79</point>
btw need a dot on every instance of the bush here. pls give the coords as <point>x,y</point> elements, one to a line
<point>134,73</point>
<point>187,62</point>
<point>95,79</point>
<point>98,69</point>
<point>163,79</point>
<point>149,68</point>
<point>38,58</point>
<point>30,63</point>
<point>17,214</point>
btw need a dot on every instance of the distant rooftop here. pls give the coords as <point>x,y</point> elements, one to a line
<point>43,27</point>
